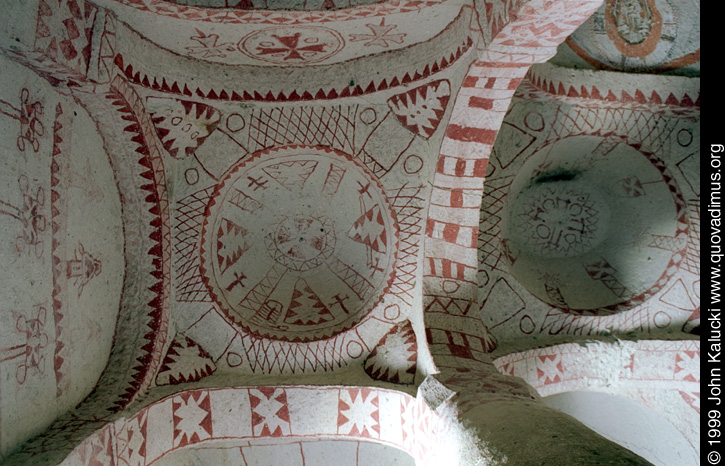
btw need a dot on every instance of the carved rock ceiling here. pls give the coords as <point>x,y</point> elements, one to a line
<point>210,194</point>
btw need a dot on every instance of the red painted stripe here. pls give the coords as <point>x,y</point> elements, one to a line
<point>460,169</point>
<point>470,81</point>
<point>468,134</point>
<point>461,269</point>
<point>429,227</point>
<point>514,83</point>
<point>479,168</point>
<point>441,166</point>
<point>457,198</point>
<point>450,232</point>
<point>446,272</point>
<point>432,264</point>
<point>480,102</point>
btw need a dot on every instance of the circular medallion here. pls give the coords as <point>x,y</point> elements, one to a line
<point>302,243</point>
<point>639,36</point>
<point>292,45</point>
<point>298,243</point>
<point>593,225</point>
<point>635,26</point>
<point>555,221</point>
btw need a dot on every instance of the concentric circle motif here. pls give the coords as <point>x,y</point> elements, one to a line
<point>639,35</point>
<point>554,221</point>
<point>298,243</point>
<point>292,45</point>
<point>302,243</point>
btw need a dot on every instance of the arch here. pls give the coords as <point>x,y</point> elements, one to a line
<point>293,452</point>
<point>144,307</point>
<point>455,338</point>
<point>260,415</point>
<point>62,249</point>
<point>653,373</point>
<point>630,424</point>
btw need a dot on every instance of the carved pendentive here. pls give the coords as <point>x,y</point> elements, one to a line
<point>394,359</point>
<point>185,361</point>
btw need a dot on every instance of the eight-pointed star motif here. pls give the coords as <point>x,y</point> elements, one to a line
<point>380,35</point>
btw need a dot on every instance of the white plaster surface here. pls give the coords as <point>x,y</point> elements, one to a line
<point>630,424</point>
<point>300,196</point>
<point>62,250</point>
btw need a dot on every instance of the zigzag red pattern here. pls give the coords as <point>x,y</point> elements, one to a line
<point>407,202</point>
<point>551,87</point>
<point>182,89</point>
<point>144,369</point>
<point>239,16</point>
<point>59,163</point>
<point>270,356</point>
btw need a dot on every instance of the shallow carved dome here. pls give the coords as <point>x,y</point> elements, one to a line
<point>283,264</point>
<point>593,224</point>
